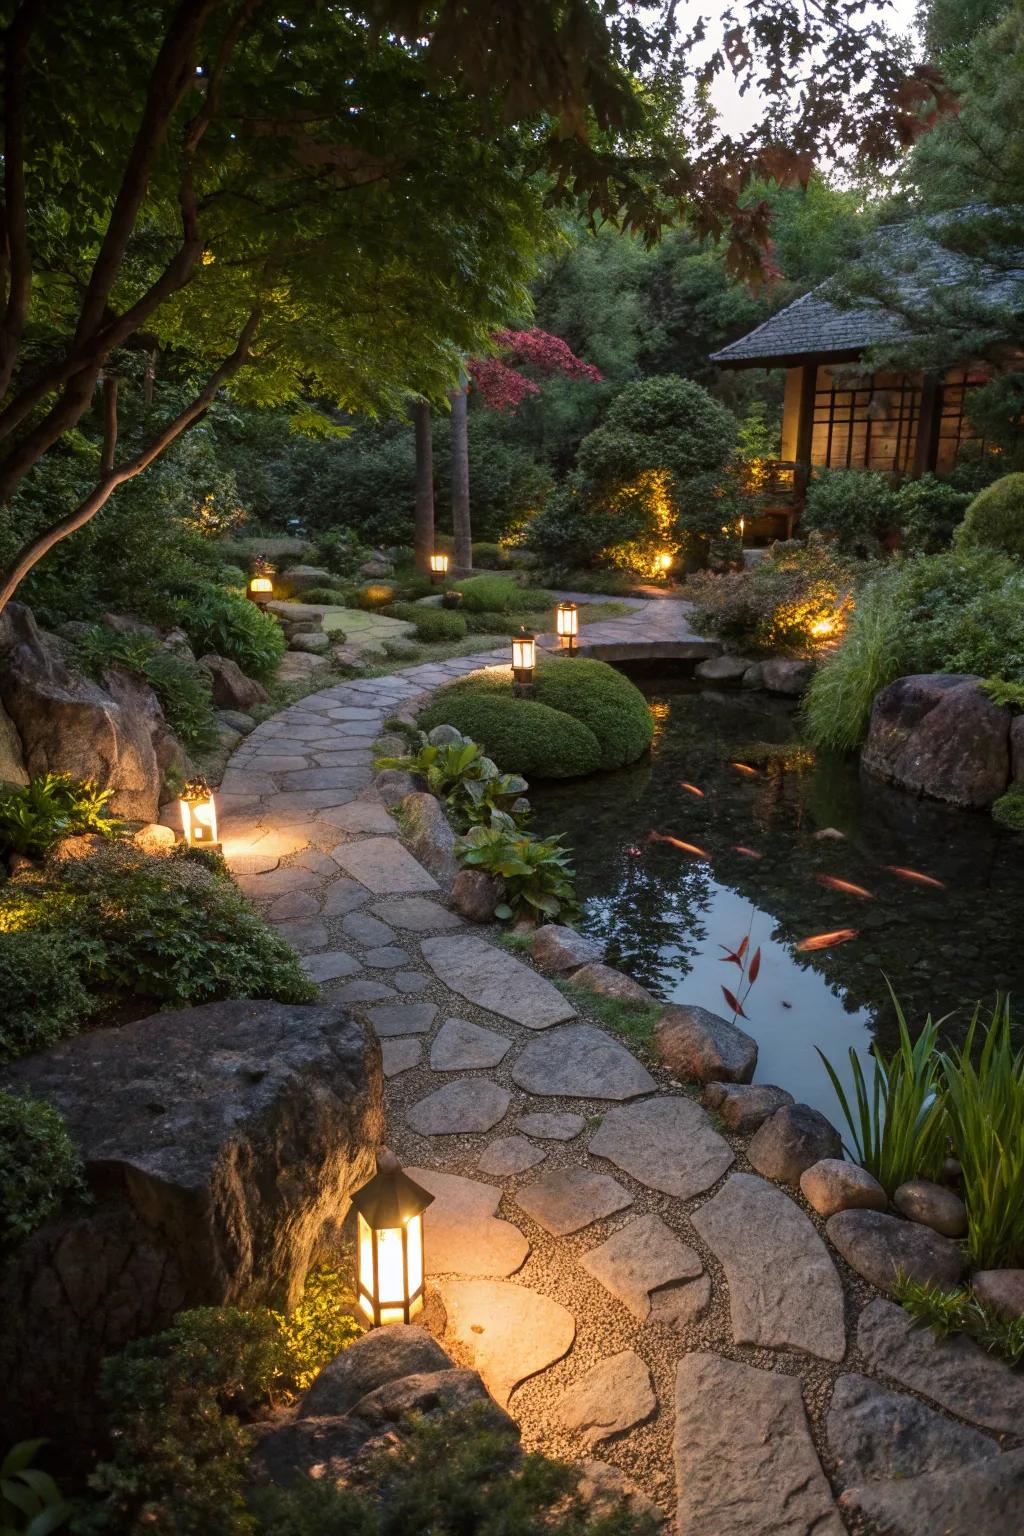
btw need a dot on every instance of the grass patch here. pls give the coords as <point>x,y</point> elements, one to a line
<point>960,1311</point>
<point>632,1022</point>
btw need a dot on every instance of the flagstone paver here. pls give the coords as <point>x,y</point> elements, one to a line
<point>384,867</point>
<point>551,1125</point>
<point>667,1143</point>
<point>614,1395</point>
<point>365,929</point>
<point>330,964</point>
<point>496,980</point>
<point>644,1264</point>
<point>416,914</point>
<point>581,1062</point>
<point>569,1199</point>
<point>402,1018</point>
<point>507,1331</point>
<point>462,1235</point>
<point>464,1047</point>
<point>468,1104</point>
<point>400,1055</point>
<point>509,1155</point>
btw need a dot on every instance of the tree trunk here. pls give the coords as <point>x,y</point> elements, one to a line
<point>423,529</point>
<point>461,526</point>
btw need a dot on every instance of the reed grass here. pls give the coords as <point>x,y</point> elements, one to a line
<point>837,707</point>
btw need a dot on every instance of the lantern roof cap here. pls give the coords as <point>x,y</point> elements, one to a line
<point>391,1198</point>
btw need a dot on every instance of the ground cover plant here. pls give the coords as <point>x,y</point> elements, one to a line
<point>792,602</point>
<point>469,783</point>
<point>227,624</point>
<point>39,1166</point>
<point>960,1311</point>
<point>36,815</point>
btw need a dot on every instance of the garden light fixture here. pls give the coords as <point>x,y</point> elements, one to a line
<point>524,660</point>
<point>438,567</point>
<point>199,815</point>
<point>664,562</point>
<point>389,1245</point>
<point>567,625</point>
<point>260,590</point>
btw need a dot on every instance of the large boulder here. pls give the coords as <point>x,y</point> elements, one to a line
<point>12,759</point>
<point>67,723</point>
<point>701,1047</point>
<point>561,950</point>
<point>231,688</point>
<point>303,578</point>
<point>221,1145</point>
<point>793,1140</point>
<point>937,734</point>
<point>429,835</point>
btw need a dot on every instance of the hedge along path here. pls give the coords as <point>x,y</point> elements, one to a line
<point>568,1257</point>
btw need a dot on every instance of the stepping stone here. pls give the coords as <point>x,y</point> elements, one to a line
<point>329,965</point>
<point>362,990</point>
<point>365,816</point>
<point>646,1267</point>
<point>508,1332</point>
<point>580,1062</point>
<point>305,934</point>
<point>784,1291</point>
<point>344,896</point>
<point>666,1143</point>
<point>569,1199</point>
<point>881,1247</point>
<point>984,1499</point>
<point>416,914</point>
<point>276,882</point>
<point>388,958</point>
<point>508,1155</point>
<point>954,1372</point>
<point>464,1047</point>
<point>319,863</point>
<point>876,1434</point>
<point>241,864</point>
<point>462,1235</point>
<point>384,867</point>
<point>613,1396</point>
<point>292,905</point>
<point>493,979</point>
<point>402,1019</point>
<point>366,929</point>
<point>745,1462</point>
<point>470,1104</point>
<point>411,981</point>
<point>553,1125</point>
<point>399,1055</point>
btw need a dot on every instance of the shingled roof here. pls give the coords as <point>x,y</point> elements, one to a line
<point>814,327</point>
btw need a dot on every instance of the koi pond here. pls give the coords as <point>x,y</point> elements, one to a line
<point>731,829</point>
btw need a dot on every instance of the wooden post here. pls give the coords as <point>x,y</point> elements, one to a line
<point>423,528</point>
<point>926,449</point>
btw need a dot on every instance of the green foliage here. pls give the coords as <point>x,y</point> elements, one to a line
<point>664,423</point>
<point>1004,693</point>
<point>31,1504</point>
<point>854,506</point>
<point>320,1327</point>
<point>960,1311</point>
<point>39,1166</point>
<point>602,699</point>
<point>985,1105</point>
<point>898,1127</point>
<point>837,706</point>
<point>634,1022</point>
<point>490,557</point>
<point>1008,810</point>
<point>229,625</point>
<point>335,597</point>
<point>183,691</point>
<point>51,806</point>
<point>341,551</point>
<point>776,605</point>
<point>41,984</point>
<point>995,518</point>
<point>456,1475</point>
<point>174,929</point>
<point>469,783</point>
<point>501,594</point>
<point>521,735</point>
<point>536,872</point>
<point>928,511</point>
<point>432,624</point>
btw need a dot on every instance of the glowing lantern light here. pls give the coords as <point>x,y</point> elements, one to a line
<point>260,590</point>
<point>389,1246</point>
<point>199,815</point>
<point>524,660</point>
<point>438,567</point>
<point>567,625</point>
<point>664,562</point>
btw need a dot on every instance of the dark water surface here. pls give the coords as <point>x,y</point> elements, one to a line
<point>664,913</point>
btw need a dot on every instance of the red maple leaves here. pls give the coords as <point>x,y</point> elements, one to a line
<point>501,385</point>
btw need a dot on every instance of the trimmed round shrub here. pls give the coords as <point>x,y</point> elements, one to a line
<point>854,506</point>
<point>501,594</point>
<point>520,735</point>
<point>490,557</point>
<point>332,596</point>
<point>439,624</point>
<point>44,998</point>
<point>995,518</point>
<point>39,1166</point>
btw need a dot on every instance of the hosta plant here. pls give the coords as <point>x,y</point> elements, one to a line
<point>49,807</point>
<point>536,872</point>
<point>469,783</point>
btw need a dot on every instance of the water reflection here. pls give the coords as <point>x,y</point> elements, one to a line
<point>798,850</point>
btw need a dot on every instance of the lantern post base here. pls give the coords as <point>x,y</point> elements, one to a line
<point>522,683</point>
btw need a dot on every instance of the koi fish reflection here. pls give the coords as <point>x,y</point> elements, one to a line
<point>827,940</point>
<point>663,837</point>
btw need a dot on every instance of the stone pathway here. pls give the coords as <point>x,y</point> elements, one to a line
<point>599,1248</point>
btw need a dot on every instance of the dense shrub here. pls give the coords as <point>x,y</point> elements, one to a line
<point>521,735</point>
<point>336,597</point>
<point>167,928</point>
<point>490,557</point>
<point>928,511</point>
<point>43,994</point>
<point>1008,810</point>
<point>962,611</point>
<point>855,506</point>
<point>501,594</point>
<point>36,815</point>
<point>995,518</point>
<point>437,624</point>
<point>588,694</point>
<point>182,689</point>
<point>39,1167</point>
<point>229,625</point>
<point>374,595</point>
<point>790,601</point>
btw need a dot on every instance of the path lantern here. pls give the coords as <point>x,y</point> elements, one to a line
<point>438,567</point>
<point>260,590</point>
<point>567,625</point>
<point>664,562</point>
<point>524,662</point>
<point>199,815</point>
<point>389,1246</point>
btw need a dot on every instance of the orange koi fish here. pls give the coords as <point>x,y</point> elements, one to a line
<point>826,940</point>
<point>745,768</point>
<point>914,875</point>
<point>847,887</point>
<point>748,853</point>
<point>691,789</point>
<point>662,837</point>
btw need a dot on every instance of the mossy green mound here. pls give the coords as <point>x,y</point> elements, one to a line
<point>584,716</point>
<point>995,518</point>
